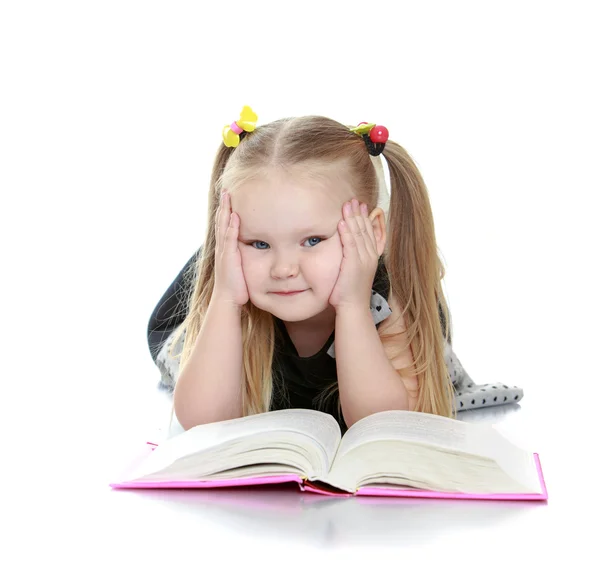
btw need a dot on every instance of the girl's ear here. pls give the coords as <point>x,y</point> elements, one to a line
<point>377,218</point>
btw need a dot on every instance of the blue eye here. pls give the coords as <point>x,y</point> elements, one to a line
<point>311,238</point>
<point>263,245</point>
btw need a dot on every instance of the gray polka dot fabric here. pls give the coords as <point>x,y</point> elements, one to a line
<point>169,366</point>
<point>471,395</point>
<point>467,393</point>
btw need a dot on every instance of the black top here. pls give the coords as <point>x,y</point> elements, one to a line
<point>297,380</point>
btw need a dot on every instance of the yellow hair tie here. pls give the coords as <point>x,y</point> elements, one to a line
<point>247,122</point>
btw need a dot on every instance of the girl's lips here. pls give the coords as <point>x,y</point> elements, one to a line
<point>291,293</point>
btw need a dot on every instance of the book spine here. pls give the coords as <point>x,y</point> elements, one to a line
<point>319,489</point>
<point>208,483</point>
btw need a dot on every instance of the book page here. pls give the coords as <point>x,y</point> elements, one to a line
<point>246,455</point>
<point>422,466</point>
<point>451,434</point>
<point>320,428</point>
<point>413,426</point>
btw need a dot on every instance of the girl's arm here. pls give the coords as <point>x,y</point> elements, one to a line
<point>209,387</point>
<point>368,380</point>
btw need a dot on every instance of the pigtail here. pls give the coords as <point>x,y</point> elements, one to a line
<point>201,273</point>
<point>415,273</point>
<point>257,326</point>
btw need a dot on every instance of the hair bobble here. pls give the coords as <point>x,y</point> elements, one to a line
<point>374,136</point>
<point>246,123</point>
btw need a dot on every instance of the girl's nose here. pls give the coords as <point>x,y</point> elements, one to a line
<point>283,270</point>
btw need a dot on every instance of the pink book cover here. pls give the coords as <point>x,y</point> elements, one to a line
<point>315,487</point>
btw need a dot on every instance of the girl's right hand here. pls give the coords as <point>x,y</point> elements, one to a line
<point>230,284</point>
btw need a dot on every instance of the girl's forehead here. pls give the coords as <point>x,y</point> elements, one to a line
<point>305,193</point>
<point>285,212</point>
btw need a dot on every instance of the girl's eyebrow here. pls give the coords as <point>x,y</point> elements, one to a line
<point>301,232</point>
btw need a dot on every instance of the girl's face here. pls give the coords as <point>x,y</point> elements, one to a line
<point>289,241</point>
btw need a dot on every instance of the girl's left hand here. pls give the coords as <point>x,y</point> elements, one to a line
<point>359,261</point>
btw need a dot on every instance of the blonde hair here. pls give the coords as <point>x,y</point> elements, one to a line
<point>411,259</point>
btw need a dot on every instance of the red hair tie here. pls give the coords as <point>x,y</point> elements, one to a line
<point>375,136</point>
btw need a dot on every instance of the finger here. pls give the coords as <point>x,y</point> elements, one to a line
<point>223,219</point>
<point>218,215</point>
<point>353,219</point>
<point>231,236</point>
<point>370,239</point>
<point>348,243</point>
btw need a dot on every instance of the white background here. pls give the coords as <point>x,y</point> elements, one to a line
<point>110,117</point>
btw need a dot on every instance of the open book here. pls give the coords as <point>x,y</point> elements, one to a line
<point>394,453</point>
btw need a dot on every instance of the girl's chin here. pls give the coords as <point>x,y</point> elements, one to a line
<point>292,308</point>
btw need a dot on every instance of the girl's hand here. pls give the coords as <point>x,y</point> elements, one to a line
<point>359,261</point>
<point>230,284</point>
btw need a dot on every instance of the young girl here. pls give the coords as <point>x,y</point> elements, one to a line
<point>316,287</point>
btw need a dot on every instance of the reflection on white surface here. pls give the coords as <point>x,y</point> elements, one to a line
<point>286,514</point>
<point>490,414</point>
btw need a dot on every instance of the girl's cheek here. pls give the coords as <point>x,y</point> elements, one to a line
<point>252,265</point>
<point>328,264</point>
<point>245,254</point>
<point>335,251</point>
<point>335,245</point>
